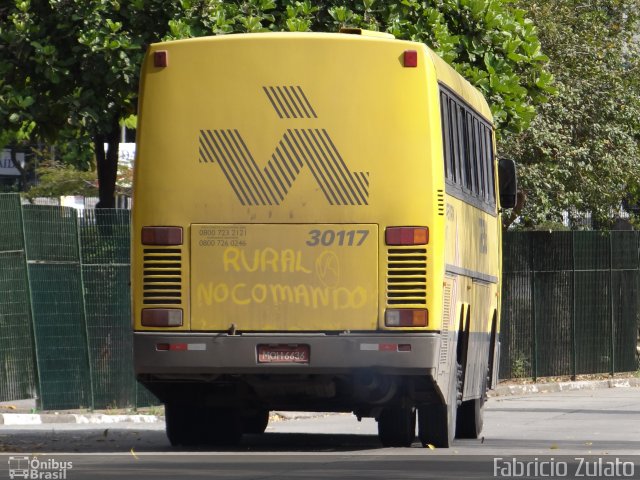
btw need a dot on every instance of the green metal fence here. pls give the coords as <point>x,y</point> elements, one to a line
<point>569,306</point>
<point>53,259</point>
<point>570,303</point>
<point>65,328</point>
<point>104,240</point>
<point>17,359</point>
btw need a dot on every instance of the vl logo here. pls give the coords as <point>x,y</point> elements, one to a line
<point>310,148</point>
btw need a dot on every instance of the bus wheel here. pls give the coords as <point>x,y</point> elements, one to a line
<point>255,422</point>
<point>397,426</point>
<point>469,424</point>
<point>470,415</point>
<point>437,423</point>
<point>184,424</point>
<point>223,426</point>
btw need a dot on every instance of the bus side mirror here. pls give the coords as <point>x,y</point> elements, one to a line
<point>508,183</point>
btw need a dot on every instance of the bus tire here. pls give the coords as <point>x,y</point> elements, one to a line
<point>183,424</point>
<point>255,422</point>
<point>397,426</point>
<point>223,426</point>
<point>437,423</point>
<point>470,419</point>
<point>470,415</point>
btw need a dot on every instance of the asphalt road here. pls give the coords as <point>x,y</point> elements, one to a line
<point>559,429</point>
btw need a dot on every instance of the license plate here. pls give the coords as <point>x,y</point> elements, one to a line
<point>283,353</point>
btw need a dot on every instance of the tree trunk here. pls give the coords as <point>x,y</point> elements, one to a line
<point>107,165</point>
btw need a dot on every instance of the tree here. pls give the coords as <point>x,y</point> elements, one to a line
<point>74,64</point>
<point>580,154</point>
<point>490,43</point>
<point>57,179</point>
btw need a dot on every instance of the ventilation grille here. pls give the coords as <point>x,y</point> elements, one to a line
<point>440,202</point>
<point>407,276</point>
<point>446,320</point>
<point>162,283</point>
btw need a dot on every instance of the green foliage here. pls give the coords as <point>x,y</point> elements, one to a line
<point>551,226</point>
<point>57,180</point>
<point>73,65</point>
<point>71,69</point>
<point>72,147</point>
<point>9,188</point>
<point>487,41</point>
<point>581,152</point>
<point>520,365</point>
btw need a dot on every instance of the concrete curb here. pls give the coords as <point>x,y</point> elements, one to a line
<point>283,416</point>
<point>22,419</point>
<point>505,390</point>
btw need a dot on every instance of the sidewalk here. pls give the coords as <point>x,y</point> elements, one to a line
<point>510,388</point>
<point>23,412</point>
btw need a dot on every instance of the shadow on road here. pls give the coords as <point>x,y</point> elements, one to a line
<point>114,440</point>
<point>120,440</point>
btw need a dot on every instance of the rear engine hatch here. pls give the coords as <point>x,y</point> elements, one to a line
<point>283,277</point>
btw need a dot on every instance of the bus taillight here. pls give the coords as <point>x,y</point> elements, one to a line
<point>406,236</point>
<point>162,235</point>
<point>161,317</point>
<point>161,58</point>
<point>410,58</point>
<point>406,317</point>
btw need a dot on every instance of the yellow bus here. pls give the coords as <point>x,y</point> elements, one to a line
<point>315,228</point>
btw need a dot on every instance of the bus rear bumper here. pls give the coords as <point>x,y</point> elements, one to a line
<point>158,354</point>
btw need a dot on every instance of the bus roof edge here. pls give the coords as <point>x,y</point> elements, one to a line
<point>367,33</point>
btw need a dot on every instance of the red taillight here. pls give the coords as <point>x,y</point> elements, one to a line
<point>161,317</point>
<point>162,235</point>
<point>161,59</point>
<point>406,317</point>
<point>406,236</point>
<point>172,347</point>
<point>410,58</point>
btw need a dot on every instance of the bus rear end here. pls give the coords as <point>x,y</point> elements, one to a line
<point>288,229</point>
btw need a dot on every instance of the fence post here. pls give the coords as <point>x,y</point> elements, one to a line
<point>611,307</point>
<point>533,306</point>
<point>36,363</point>
<point>84,314</point>
<point>573,306</point>
<point>637,326</point>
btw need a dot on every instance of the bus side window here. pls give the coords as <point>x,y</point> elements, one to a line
<point>472,155</point>
<point>489,165</point>
<point>467,144</point>
<point>465,168</point>
<point>446,136</point>
<point>479,161</point>
<point>455,142</point>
